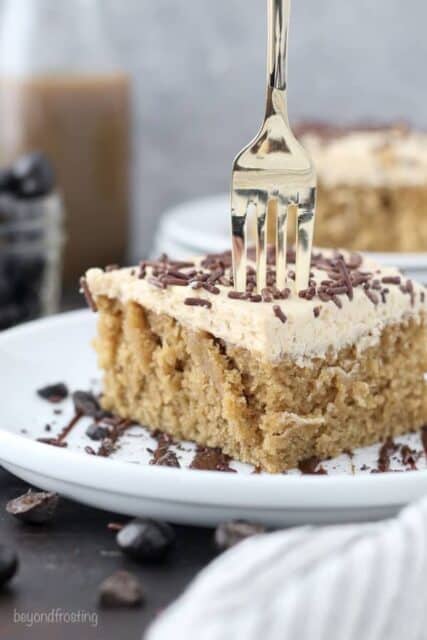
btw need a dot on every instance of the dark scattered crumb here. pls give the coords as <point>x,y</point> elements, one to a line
<point>163,455</point>
<point>86,403</point>
<point>310,466</point>
<point>231,533</point>
<point>146,540</point>
<point>211,459</point>
<point>54,392</point>
<point>34,507</point>
<point>8,564</point>
<point>90,451</point>
<point>386,451</point>
<point>121,589</point>
<point>97,432</point>
<point>47,427</point>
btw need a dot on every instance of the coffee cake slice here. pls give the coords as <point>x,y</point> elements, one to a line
<point>271,378</point>
<point>372,187</point>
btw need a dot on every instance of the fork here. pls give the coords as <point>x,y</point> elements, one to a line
<point>273,170</point>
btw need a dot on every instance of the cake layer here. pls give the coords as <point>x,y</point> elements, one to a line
<point>349,302</point>
<point>185,381</point>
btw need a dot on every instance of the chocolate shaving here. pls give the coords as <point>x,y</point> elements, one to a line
<point>310,466</point>
<point>211,459</point>
<point>387,449</point>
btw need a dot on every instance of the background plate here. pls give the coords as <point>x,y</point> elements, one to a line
<point>203,226</point>
<point>58,349</point>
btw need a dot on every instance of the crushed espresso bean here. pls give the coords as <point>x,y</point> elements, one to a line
<point>86,403</point>
<point>228,534</point>
<point>8,564</point>
<point>34,507</point>
<point>146,540</point>
<point>121,589</point>
<point>54,392</point>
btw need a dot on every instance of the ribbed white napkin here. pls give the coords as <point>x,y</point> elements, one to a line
<point>348,582</point>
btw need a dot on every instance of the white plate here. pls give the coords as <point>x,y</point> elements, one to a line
<point>203,226</point>
<point>57,349</point>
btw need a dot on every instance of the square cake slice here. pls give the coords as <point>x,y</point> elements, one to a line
<point>271,378</point>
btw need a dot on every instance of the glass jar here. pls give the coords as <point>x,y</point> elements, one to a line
<point>31,243</point>
<point>62,93</point>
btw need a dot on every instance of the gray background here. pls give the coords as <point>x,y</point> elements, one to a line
<point>198,67</point>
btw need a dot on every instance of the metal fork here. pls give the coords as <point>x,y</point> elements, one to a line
<point>274,168</point>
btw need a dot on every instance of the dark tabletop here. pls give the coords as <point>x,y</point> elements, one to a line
<point>61,566</point>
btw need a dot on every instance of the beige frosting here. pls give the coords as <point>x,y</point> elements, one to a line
<point>376,158</point>
<point>254,326</point>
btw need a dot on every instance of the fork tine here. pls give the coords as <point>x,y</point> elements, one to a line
<point>260,200</point>
<point>305,230</point>
<point>281,241</point>
<point>239,209</point>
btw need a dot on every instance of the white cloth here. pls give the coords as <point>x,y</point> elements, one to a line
<point>348,582</point>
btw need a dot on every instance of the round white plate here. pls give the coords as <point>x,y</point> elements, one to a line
<point>58,349</point>
<point>203,226</point>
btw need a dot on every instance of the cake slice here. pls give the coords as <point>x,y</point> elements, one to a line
<point>272,378</point>
<point>372,187</point>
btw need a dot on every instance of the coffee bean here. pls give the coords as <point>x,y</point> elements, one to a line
<point>34,507</point>
<point>6,180</point>
<point>96,432</point>
<point>229,534</point>
<point>146,540</point>
<point>86,403</point>
<point>32,176</point>
<point>8,564</point>
<point>54,392</point>
<point>121,589</point>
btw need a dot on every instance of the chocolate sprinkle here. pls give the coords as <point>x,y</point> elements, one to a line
<point>198,302</point>
<point>373,297</point>
<point>391,280</point>
<point>279,314</point>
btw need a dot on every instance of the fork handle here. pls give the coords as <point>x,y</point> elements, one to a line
<point>278,24</point>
